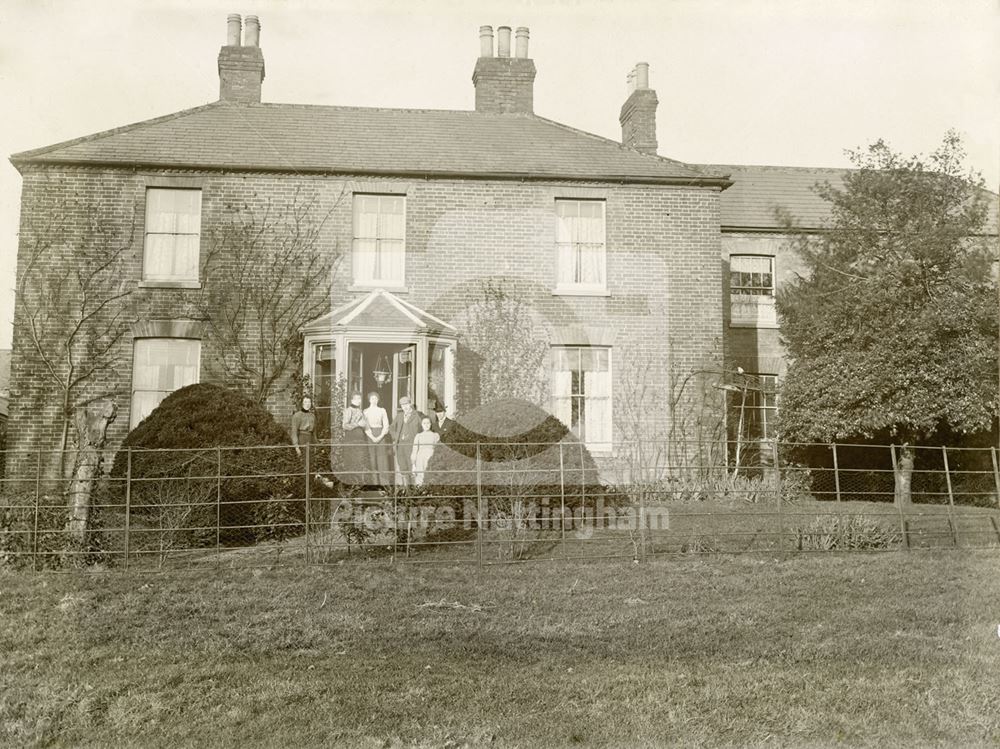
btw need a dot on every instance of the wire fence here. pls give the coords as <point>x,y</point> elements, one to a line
<point>491,503</point>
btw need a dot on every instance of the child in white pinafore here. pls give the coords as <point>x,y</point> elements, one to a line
<point>423,449</point>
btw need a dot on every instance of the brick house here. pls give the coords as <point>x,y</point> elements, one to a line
<point>613,249</point>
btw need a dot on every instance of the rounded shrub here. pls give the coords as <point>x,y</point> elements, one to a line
<point>209,460</point>
<point>513,449</point>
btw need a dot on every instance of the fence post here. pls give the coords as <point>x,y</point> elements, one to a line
<point>128,500</point>
<point>307,476</point>
<point>218,505</point>
<point>895,491</point>
<point>996,472</point>
<point>951,497</point>
<point>777,487</point>
<point>562,500</point>
<point>38,492</point>
<point>479,505</point>
<point>836,471</point>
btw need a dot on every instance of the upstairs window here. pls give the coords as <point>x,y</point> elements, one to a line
<point>751,291</point>
<point>159,367</point>
<point>581,260</point>
<point>173,235</point>
<point>379,251</point>
<point>581,392</point>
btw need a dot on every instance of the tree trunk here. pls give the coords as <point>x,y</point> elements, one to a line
<point>91,433</point>
<point>904,475</point>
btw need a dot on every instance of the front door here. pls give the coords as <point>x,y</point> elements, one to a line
<point>388,369</point>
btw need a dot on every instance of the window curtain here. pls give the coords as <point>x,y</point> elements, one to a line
<point>590,239</point>
<point>379,246</point>
<point>562,397</point>
<point>365,238</point>
<point>580,242</point>
<point>173,227</point>
<point>160,366</point>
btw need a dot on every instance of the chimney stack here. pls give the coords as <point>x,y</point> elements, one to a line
<point>638,114</point>
<point>504,84</point>
<point>241,65</point>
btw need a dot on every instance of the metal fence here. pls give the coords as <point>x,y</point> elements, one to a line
<point>491,503</point>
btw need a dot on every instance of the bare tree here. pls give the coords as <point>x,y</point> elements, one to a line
<point>73,304</point>
<point>503,333</point>
<point>266,273</point>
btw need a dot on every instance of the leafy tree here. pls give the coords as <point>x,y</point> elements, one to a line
<point>892,330</point>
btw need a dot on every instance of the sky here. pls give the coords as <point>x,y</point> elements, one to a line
<point>784,82</point>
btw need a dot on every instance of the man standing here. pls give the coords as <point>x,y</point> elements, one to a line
<point>441,423</point>
<point>404,428</point>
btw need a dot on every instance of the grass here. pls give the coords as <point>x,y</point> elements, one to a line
<point>884,649</point>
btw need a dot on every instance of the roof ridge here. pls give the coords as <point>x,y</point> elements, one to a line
<point>780,167</point>
<point>31,153</point>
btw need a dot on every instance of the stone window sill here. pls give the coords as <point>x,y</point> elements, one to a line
<point>579,291</point>
<point>169,284</point>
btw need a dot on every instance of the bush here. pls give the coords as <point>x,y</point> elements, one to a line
<point>178,498</point>
<point>846,532</point>
<point>529,465</point>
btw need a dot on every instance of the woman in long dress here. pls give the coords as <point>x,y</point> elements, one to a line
<point>354,458</point>
<point>379,458</point>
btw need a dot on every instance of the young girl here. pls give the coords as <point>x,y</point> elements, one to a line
<point>423,449</point>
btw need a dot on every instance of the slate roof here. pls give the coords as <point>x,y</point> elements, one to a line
<point>379,309</point>
<point>757,190</point>
<point>357,140</point>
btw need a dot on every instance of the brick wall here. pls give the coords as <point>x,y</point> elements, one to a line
<point>757,349</point>
<point>665,302</point>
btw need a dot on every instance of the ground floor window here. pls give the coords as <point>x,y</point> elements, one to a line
<point>752,416</point>
<point>161,366</point>
<point>581,392</point>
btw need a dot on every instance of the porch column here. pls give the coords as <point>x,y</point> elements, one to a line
<point>421,375</point>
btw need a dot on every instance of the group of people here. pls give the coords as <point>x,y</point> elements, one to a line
<point>375,450</point>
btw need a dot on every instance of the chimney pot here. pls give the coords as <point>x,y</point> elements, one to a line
<point>486,41</point>
<point>503,41</point>
<point>234,28</point>
<point>642,75</point>
<point>521,42</point>
<point>252,36</point>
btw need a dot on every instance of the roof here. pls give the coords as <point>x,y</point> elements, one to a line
<point>379,309</point>
<point>358,140</point>
<point>757,191</point>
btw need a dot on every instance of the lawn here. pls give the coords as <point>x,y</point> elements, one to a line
<point>885,649</point>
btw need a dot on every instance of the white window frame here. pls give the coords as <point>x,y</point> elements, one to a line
<point>592,445</point>
<point>171,279</point>
<point>752,310</point>
<point>133,411</point>
<point>394,284</point>
<point>597,289</point>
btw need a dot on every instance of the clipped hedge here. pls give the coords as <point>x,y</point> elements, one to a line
<point>179,495</point>
<point>523,450</point>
